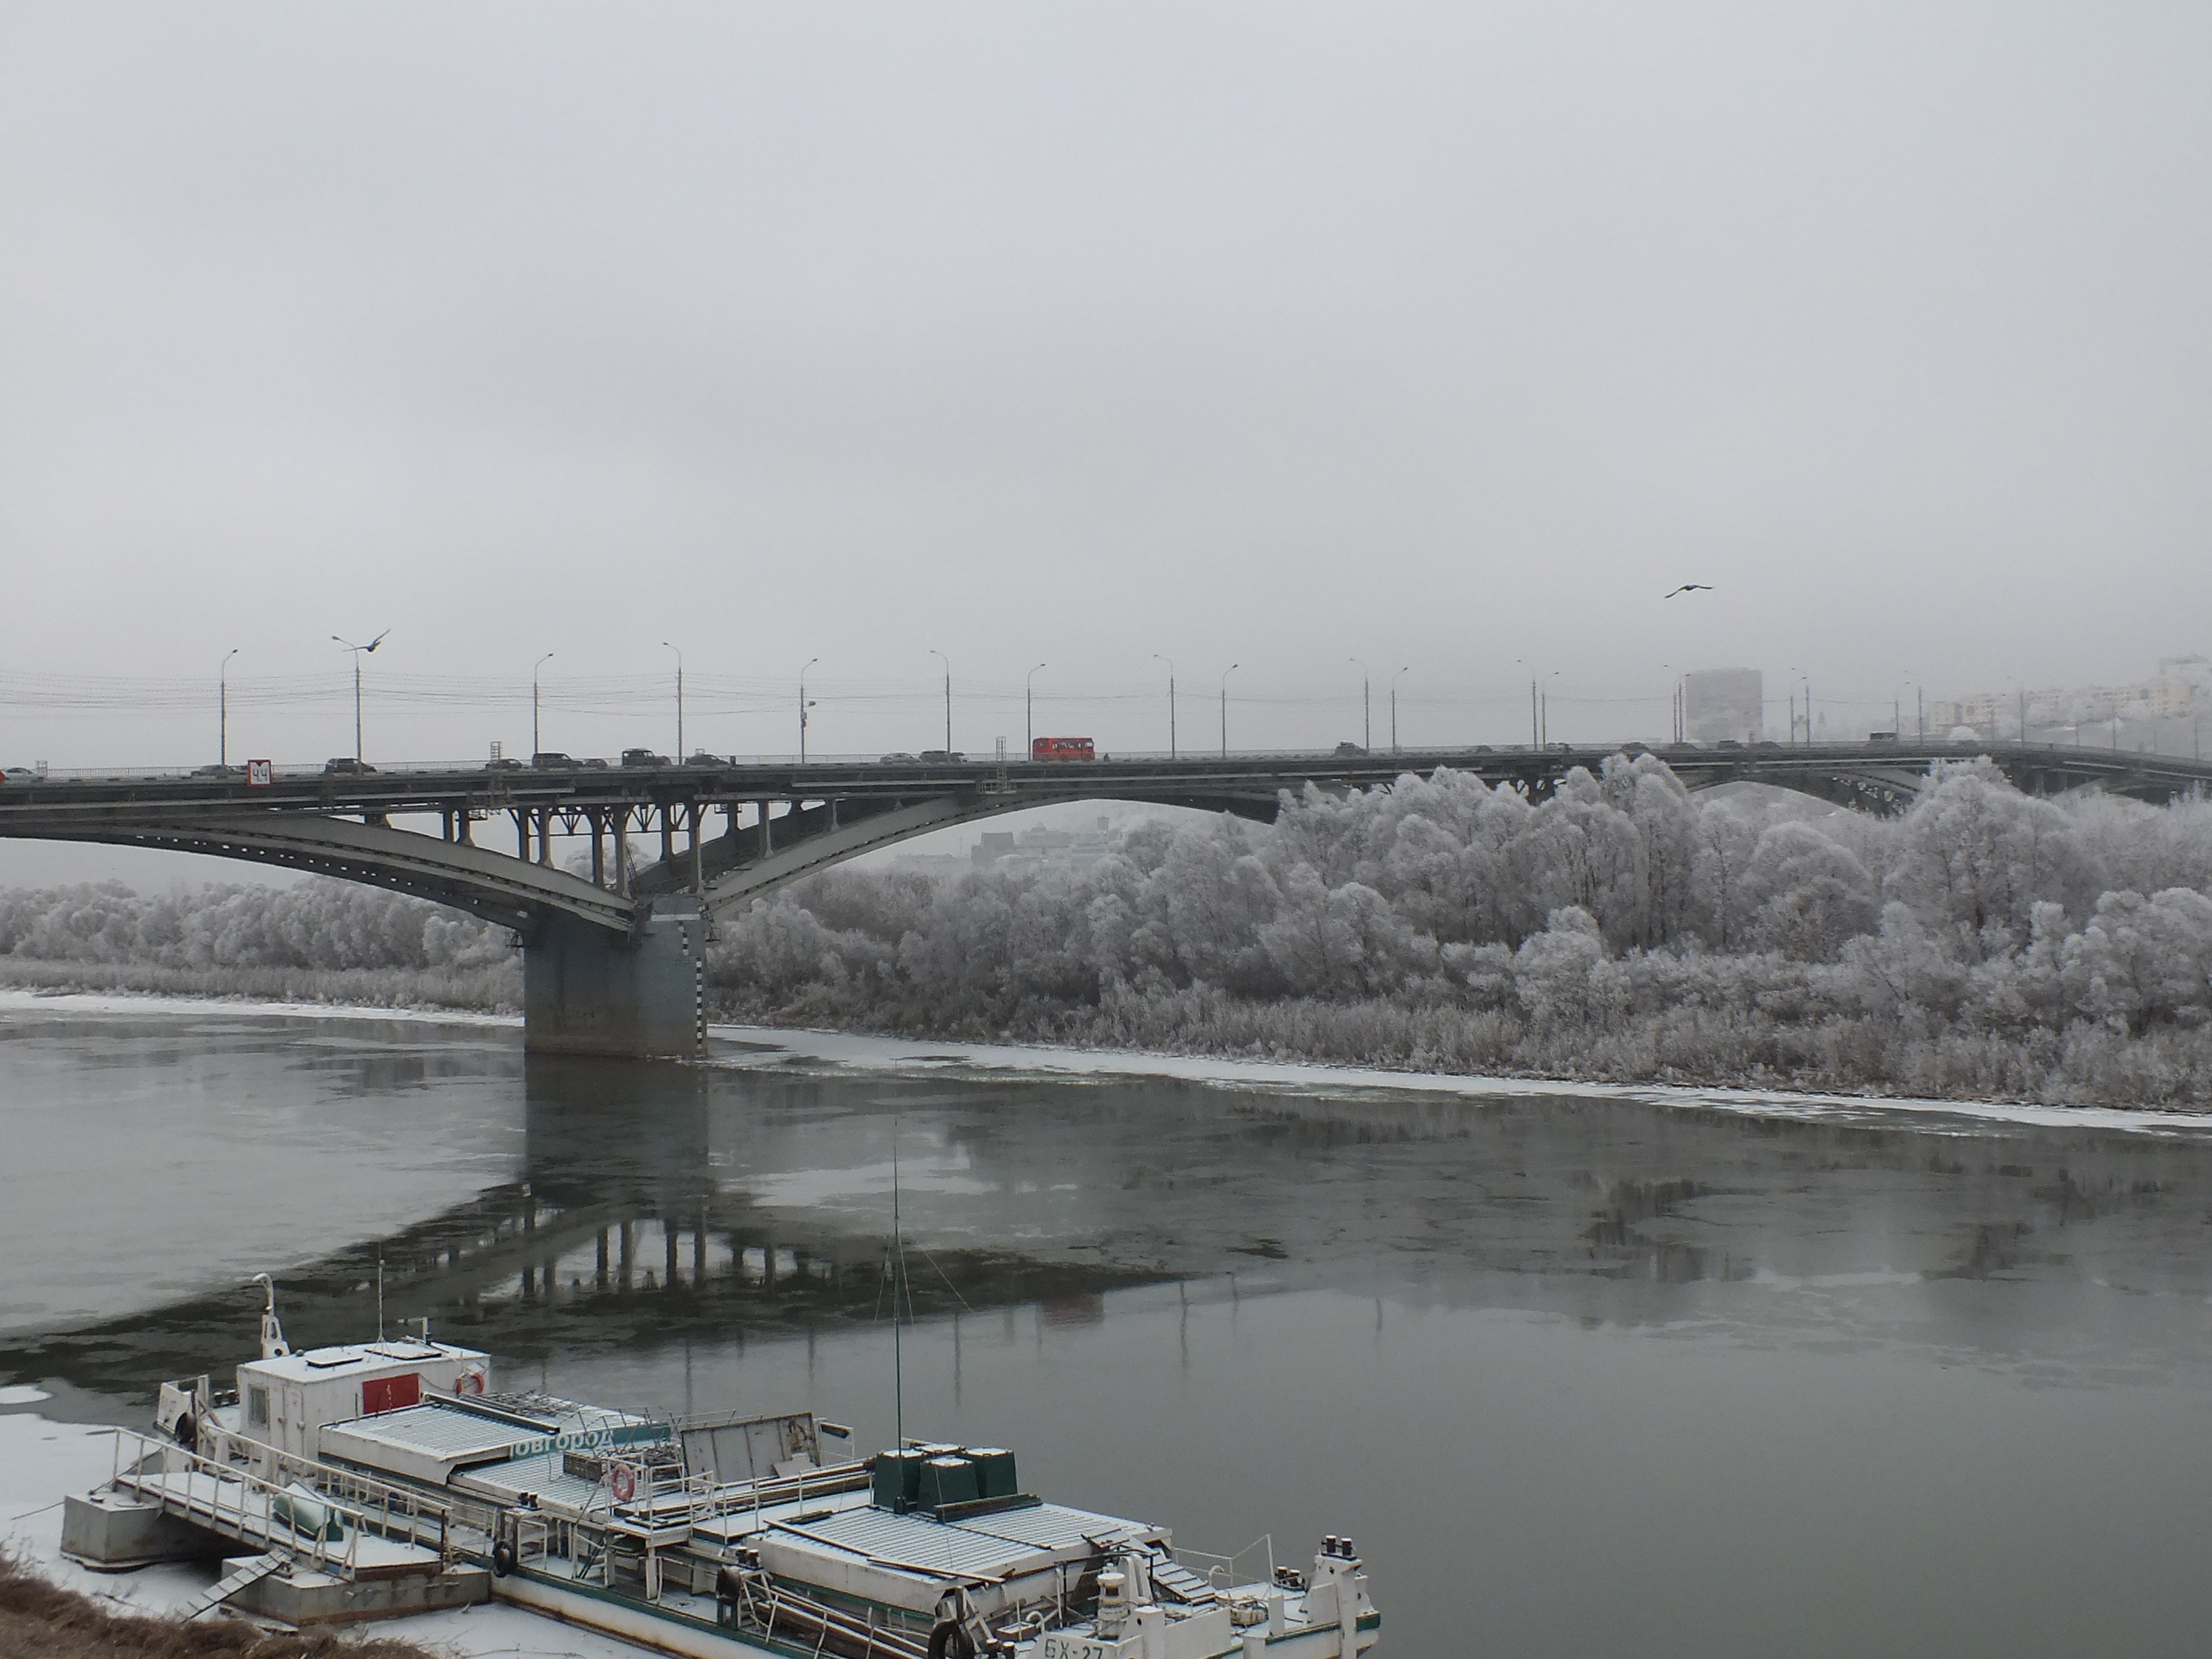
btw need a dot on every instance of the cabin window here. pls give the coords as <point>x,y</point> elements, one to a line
<point>257,1407</point>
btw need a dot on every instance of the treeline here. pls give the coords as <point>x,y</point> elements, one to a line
<point>1984,944</point>
<point>319,941</point>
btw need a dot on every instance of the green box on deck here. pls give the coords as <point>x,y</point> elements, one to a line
<point>898,1479</point>
<point>994,1471</point>
<point>947,1480</point>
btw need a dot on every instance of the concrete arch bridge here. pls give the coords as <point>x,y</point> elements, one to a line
<point>613,960</point>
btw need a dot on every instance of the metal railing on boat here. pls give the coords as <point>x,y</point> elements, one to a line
<point>400,1530</point>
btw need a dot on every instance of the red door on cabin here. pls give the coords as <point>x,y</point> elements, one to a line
<point>389,1393</point>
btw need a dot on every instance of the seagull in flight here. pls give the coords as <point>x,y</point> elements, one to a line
<point>380,639</point>
<point>1690,587</point>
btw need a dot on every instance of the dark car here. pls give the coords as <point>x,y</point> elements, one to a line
<point>701,757</point>
<point>1632,749</point>
<point>504,764</point>
<point>942,756</point>
<point>552,759</point>
<point>1350,749</point>
<point>901,759</point>
<point>643,757</point>
<point>1728,742</point>
<point>1766,743</point>
<point>218,771</point>
<point>594,762</point>
<point>345,763</point>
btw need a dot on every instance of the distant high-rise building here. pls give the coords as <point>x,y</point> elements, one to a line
<point>1723,705</point>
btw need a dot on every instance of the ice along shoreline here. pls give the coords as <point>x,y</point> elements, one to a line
<point>760,1046</point>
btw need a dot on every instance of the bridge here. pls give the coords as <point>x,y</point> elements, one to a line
<point>613,962</point>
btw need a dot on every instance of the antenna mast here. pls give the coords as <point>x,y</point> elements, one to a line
<point>898,1288</point>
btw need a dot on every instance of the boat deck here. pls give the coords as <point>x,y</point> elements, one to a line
<point>238,1506</point>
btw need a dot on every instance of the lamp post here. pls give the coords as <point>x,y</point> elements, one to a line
<point>359,652</point>
<point>679,700</point>
<point>803,707</point>
<point>1539,703</point>
<point>222,709</point>
<point>1394,708</point>
<point>536,747</point>
<point>1225,673</point>
<point>1157,656</point>
<point>1029,717</point>
<point>947,661</point>
<point>1366,706</point>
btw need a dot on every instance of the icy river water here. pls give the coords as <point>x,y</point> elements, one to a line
<point>1580,1375</point>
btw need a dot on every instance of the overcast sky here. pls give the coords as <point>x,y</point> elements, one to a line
<point>1445,338</point>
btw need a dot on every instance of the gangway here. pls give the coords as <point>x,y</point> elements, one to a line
<point>251,1571</point>
<point>300,1521</point>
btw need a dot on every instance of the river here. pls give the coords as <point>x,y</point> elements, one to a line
<point>1579,1374</point>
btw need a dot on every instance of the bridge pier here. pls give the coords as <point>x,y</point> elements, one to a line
<point>588,990</point>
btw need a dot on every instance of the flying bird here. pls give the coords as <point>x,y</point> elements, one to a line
<point>1690,587</point>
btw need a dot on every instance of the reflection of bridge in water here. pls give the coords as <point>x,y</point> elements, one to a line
<point>612,961</point>
<point>652,1206</point>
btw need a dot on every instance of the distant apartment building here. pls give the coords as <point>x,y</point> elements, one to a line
<point>1721,705</point>
<point>1040,845</point>
<point>2181,687</point>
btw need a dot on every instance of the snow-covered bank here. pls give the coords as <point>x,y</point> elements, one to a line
<point>41,1461</point>
<point>123,1002</point>
<point>768,1046</point>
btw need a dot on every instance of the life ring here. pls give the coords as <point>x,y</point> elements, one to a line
<point>623,1479</point>
<point>503,1558</point>
<point>949,1639</point>
<point>469,1382</point>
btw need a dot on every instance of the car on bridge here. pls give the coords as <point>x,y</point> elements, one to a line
<point>701,757</point>
<point>553,760</point>
<point>643,757</point>
<point>347,763</point>
<point>20,774</point>
<point>942,757</point>
<point>503,764</point>
<point>218,771</point>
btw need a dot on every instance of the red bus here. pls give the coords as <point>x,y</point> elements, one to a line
<point>1062,749</point>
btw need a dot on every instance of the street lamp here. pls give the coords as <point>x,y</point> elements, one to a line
<point>1539,703</point>
<point>222,709</point>
<point>803,707</point>
<point>1366,706</point>
<point>1029,718</point>
<point>359,652</point>
<point>1225,673</point>
<point>947,661</point>
<point>536,748</point>
<point>679,701</point>
<point>1394,708</point>
<point>1157,656</point>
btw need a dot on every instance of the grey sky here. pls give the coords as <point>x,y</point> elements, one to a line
<point>1268,334</point>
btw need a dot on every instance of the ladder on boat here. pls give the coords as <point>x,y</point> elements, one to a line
<point>1181,1583</point>
<point>251,1571</point>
